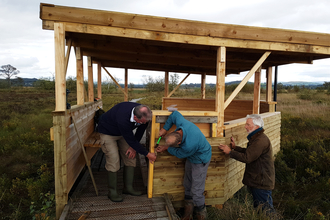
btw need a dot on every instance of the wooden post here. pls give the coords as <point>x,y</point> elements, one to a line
<point>152,150</point>
<point>269,76</point>
<point>99,81</point>
<point>90,80</point>
<point>203,85</point>
<point>220,89</point>
<point>126,85</point>
<point>166,84</point>
<point>80,77</point>
<point>60,167</point>
<point>256,96</point>
<point>60,85</point>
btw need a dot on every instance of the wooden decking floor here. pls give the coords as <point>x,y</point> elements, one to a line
<point>133,207</point>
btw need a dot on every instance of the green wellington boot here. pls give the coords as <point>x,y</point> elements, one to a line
<point>128,182</point>
<point>112,186</point>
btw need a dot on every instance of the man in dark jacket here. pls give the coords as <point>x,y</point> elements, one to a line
<point>116,131</point>
<point>259,173</point>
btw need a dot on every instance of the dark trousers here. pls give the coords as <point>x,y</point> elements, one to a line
<point>194,181</point>
<point>262,197</point>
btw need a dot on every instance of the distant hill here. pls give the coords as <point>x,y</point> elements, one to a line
<point>20,81</point>
<point>30,81</point>
<point>301,83</point>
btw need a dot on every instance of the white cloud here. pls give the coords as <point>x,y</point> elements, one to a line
<point>25,45</point>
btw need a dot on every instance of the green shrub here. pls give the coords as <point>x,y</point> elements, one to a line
<point>302,167</point>
<point>305,94</point>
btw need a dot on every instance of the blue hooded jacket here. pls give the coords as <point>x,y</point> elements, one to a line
<point>194,145</point>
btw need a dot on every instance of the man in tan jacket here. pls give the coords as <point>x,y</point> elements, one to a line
<point>259,173</point>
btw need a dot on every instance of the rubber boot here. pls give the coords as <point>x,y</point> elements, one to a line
<point>112,186</point>
<point>128,182</point>
<point>188,210</point>
<point>201,213</point>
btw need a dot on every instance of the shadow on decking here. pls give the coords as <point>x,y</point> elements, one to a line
<point>84,197</point>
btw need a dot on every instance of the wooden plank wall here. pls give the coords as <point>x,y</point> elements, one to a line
<point>224,176</point>
<point>236,109</point>
<point>169,172</point>
<point>84,119</point>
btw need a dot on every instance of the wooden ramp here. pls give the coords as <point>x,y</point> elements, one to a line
<point>84,198</point>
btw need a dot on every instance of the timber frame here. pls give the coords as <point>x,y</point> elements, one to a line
<point>132,41</point>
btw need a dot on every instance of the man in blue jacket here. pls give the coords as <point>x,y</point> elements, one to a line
<point>116,131</point>
<point>187,141</point>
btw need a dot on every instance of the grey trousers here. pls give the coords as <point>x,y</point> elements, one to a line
<point>194,181</point>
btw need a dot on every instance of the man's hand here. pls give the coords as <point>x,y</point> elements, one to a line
<point>224,148</point>
<point>161,148</point>
<point>131,153</point>
<point>152,157</point>
<point>162,132</point>
<point>232,143</point>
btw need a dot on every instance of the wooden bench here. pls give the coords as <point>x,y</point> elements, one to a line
<point>92,145</point>
<point>93,140</point>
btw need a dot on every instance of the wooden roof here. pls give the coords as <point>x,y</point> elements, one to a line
<point>175,45</point>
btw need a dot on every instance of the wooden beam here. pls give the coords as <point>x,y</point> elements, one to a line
<point>159,50</point>
<point>99,81</point>
<point>169,208</point>
<point>246,78</point>
<point>178,86</point>
<point>114,80</point>
<point>171,25</point>
<point>256,96</point>
<point>148,58</point>
<point>203,79</point>
<point>193,119</point>
<point>220,89</point>
<point>67,56</point>
<point>157,67</point>
<point>269,77</point>
<point>80,77</point>
<point>126,85</point>
<point>60,85</point>
<point>194,39</point>
<point>90,80</point>
<point>142,47</point>
<point>166,84</point>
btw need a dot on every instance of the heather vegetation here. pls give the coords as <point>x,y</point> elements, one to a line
<point>302,166</point>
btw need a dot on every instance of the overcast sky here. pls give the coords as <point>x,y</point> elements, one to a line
<point>29,48</point>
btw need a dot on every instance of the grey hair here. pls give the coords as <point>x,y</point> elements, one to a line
<point>143,114</point>
<point>176,135</point>
<point>257,120</point>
